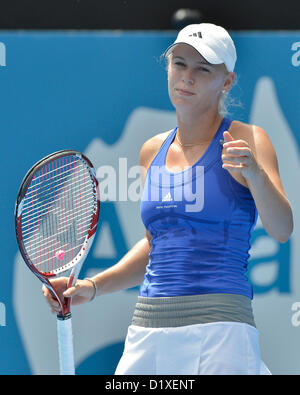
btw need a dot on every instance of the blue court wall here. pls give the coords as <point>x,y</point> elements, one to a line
<point>105,93</point>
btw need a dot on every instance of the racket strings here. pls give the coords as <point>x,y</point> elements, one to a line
<point>57,171</point>
<point>48,224</point>
<point>35,251</point>
<point>46,186</point>
<point>42,263</point>
<point>57,213</point>
<point>45,209</point>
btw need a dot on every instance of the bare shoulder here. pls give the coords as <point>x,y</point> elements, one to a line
<point>254,135</point>
<point>261,145</point>
<point>150,148</point>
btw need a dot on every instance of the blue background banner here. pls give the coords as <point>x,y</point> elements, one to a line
<point>105,93</point>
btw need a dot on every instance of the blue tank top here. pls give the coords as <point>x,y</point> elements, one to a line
<point>200,220</point>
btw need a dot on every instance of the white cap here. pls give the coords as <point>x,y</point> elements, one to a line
<point>211,41</point>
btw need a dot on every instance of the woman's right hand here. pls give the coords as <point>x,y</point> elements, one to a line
<point>82,292</point>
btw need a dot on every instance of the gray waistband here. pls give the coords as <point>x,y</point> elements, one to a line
<point>192,309</point>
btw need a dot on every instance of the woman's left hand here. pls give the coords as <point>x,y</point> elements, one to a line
<point>238,157</point>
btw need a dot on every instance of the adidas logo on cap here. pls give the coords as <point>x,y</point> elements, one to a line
<point>215,44</point>
<point>196,35</point>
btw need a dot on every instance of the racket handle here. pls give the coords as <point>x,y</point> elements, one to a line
<point>65,344</point>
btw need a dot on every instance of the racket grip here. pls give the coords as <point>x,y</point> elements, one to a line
<point>65,344</point>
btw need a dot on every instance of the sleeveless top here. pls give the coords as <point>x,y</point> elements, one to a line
<point>200,220</point>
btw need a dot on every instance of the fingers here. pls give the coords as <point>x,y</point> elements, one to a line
<point>235,143</point>
<point>71,291</point>
<point>243,151</point>
<point>237,153</point>
<point>236,159</point>
<point>235,168</point>
<point>82,292</point>
<point>227,137</point>
<point>52,302</point>
<point>234,163</point>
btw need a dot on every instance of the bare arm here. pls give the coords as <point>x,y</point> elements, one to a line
<point>255,158</point>
<point>273,207</point>
<point>128,272</point>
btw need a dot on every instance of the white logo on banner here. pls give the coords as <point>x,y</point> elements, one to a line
<point>2,54</point>
<point>296,316</point>
<point>296,56</point>
<point>105,321</point>
<point>2,314</point>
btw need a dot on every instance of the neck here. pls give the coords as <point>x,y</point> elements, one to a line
<point>194,130</point>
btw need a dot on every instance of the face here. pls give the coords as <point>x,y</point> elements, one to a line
<point>194,83</point>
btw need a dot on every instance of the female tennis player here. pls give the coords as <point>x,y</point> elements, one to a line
<point>206,182</point>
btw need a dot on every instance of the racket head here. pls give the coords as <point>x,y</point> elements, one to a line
<point>56,216</point>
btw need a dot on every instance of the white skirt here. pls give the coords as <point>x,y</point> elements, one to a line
<point>228,348</point>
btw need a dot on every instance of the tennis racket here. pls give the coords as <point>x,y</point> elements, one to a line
<point>56,217</point>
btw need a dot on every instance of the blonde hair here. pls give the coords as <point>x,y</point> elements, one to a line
<point>227,101</point>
